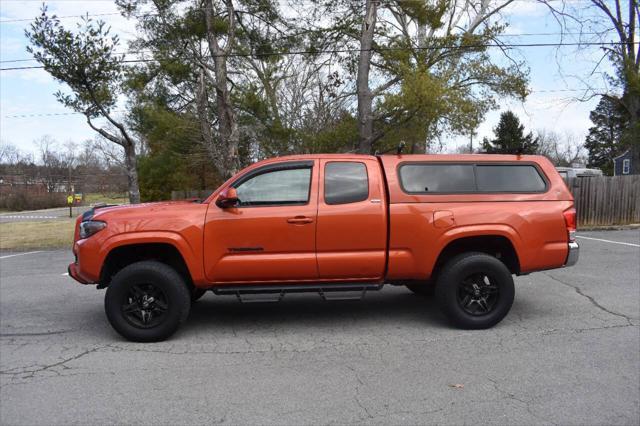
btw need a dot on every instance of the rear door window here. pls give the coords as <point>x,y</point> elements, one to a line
<point>426,178</point>
<point>345,182</point>
<point>509,178</point>
<point>447,178</point>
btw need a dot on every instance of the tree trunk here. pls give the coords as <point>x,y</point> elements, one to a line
<point>365,97</point>
<point>202,101</point>
<point>227,121</point>
<point>131,163</point>
<point>130,160</point>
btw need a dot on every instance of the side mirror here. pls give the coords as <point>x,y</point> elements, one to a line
<point>227,198</point>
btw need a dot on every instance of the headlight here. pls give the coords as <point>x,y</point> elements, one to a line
<point>90,227</point>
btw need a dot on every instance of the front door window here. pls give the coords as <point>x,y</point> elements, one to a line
<point>279,187</point>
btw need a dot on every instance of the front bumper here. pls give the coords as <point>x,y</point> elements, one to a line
<point>73,273</point>
<point>574,253</point>
<point>86,268</point>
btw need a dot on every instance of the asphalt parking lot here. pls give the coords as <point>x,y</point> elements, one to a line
<point>568,353</point>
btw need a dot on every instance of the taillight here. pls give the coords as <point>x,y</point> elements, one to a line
<point>570,221</point>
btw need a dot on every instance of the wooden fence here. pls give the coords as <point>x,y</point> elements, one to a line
<point>599,200</point>
<point>606,200</point>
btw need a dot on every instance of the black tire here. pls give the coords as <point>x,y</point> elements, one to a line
<point>475,290</point>
<point>426,289</point>
<point>147,301</point>
<point>197,293</point>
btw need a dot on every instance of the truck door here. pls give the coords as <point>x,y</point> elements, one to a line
<point>270,235</point>
<point>352,220</point>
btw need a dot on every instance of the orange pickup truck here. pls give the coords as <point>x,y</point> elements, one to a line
<point>457,225</point>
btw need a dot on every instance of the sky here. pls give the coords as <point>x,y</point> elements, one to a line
<point>559,77</point>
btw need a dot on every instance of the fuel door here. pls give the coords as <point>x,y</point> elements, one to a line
<point>443,219</point>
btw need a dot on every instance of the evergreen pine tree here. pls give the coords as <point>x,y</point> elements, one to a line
<point>510,137</point>
<point>604,138</point>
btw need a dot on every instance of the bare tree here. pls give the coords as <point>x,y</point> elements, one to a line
<point>9,153</point>
<point>624,17</point>
<point>563,150</point>
<point>613,23</point>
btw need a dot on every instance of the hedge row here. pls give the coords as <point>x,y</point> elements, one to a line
<point>18,201</point>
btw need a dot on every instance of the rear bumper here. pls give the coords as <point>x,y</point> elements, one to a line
<point>574,253</point>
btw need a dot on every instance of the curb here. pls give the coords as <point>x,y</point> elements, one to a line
<point>609,227</point>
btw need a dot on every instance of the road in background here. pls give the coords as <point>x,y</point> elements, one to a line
<point>39,215</point>
<point>568,353</point>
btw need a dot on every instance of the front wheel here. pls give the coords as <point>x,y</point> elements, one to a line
<point>147,301</point>
<point>475,290</point>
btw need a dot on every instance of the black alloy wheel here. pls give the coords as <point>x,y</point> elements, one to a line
<point>147,301</point>
<point>145,306</point>
<point>477,295</point>
<point>475,290</point>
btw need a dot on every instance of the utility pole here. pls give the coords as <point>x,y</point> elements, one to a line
<point>69,190</point>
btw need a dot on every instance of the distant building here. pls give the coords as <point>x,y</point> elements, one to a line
<point>624,165</point>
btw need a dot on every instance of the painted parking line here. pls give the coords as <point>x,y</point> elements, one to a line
<point>608,241</point>
<point>20,254</point>
<point>27,217</point>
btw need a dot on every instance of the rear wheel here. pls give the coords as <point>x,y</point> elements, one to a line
<point>147,301</point>
<point>475,290</point>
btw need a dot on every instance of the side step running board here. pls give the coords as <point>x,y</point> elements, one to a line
<point>255,294</point>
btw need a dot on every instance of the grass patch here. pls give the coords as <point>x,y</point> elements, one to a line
<point>43,234</point>
<point>94,197</point>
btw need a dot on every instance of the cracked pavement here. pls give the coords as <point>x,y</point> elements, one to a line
<point>568,353</point>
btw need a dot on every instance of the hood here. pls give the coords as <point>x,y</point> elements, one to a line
<point>113,211</point>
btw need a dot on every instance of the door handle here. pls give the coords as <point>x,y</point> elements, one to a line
<point>299,220</point>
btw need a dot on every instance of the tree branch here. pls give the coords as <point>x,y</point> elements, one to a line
<point>103,132</point>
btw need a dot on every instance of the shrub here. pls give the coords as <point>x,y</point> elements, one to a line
<point>22,200</point>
